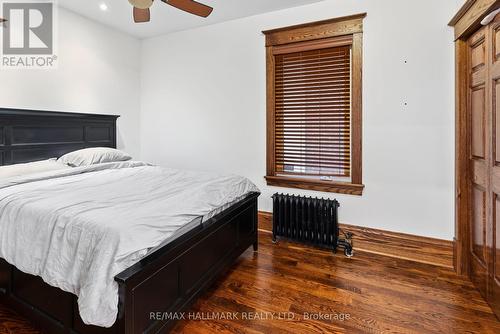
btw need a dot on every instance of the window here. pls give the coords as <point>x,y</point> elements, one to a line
<point>314,106</point>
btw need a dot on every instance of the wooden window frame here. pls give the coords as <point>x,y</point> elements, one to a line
<point>310,36</point>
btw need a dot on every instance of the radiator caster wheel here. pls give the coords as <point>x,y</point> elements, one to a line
<point>349,252</point>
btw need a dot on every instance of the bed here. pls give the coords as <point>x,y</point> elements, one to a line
<point>168,279</point>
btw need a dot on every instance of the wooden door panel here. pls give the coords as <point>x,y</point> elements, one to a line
<point>496,121</point>
<point>478,77</point>
<point>495,70</point>
<point>496,43</point>
<point>479,276</point>
<point>496,269</point>
<point>495,180</point>
<point>479,224</point>
<point>478,55</point>
<point>493,297</point>
<point>478,121</point>
<point>479,173</point>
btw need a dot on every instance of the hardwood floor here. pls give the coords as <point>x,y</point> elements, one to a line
<point>11,323</point>
<point>403,246</point>
<point>374,294</point>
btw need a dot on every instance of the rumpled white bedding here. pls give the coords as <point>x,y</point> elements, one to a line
<point>78,228</point>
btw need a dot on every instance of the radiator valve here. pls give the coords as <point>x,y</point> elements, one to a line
<point>347,244</point>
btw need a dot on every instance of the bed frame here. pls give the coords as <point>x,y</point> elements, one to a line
<point>168,280</point>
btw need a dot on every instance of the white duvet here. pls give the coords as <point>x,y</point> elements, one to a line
<point>78,228</point>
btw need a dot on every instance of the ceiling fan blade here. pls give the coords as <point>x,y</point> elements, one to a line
<point>191,6</point>
<point>141,15</point>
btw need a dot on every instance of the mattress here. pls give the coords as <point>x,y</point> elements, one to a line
<point>78,228</point>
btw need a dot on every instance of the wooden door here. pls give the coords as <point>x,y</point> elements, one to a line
<point>479,157</point>
<point>493,228</point>
<point>484,139</point>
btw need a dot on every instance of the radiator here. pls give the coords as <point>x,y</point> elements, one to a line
<point>310,221</point>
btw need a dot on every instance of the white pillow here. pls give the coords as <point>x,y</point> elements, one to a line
<point>31,168</point>
<point>92,156</point>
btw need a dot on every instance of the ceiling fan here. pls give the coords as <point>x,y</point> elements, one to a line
<point>142,13</point>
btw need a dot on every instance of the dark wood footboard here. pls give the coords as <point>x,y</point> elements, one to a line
<point>151,291</point>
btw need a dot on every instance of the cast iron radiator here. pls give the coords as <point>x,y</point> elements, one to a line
<point>309,220</point>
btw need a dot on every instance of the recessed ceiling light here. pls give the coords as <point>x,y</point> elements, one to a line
<point>103,7</point>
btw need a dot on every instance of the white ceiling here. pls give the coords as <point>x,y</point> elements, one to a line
<point>166,19</point>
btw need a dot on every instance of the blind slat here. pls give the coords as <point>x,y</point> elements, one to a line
<point>306,83</point>
<point>313,97</point>
<point>337,73</point>
<point>320,106</point>
<point>314,102</point>
<point>318,111</point>
<point>342,166</point>
<point>297,125</point>
<point>301,64</point>
<point>321,158</point>
<point>312,146</point>
<point>317,70</point>
<point>308,90</point>
<point>302,163</point>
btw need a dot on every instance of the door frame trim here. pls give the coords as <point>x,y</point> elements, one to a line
<point>465,23</point>
<point>461,241</point>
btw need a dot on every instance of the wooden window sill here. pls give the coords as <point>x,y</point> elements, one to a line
<point>318,185</point>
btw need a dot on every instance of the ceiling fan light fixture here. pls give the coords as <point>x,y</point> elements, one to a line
<point>141,4</point>
<point>142,13</point>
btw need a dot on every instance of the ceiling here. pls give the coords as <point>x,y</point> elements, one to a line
<point>166,19</point>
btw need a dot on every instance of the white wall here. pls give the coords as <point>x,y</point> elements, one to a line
<point>203,107</point>
<point>98,72</point>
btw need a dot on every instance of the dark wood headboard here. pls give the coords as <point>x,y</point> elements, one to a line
<point>31,135</point>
